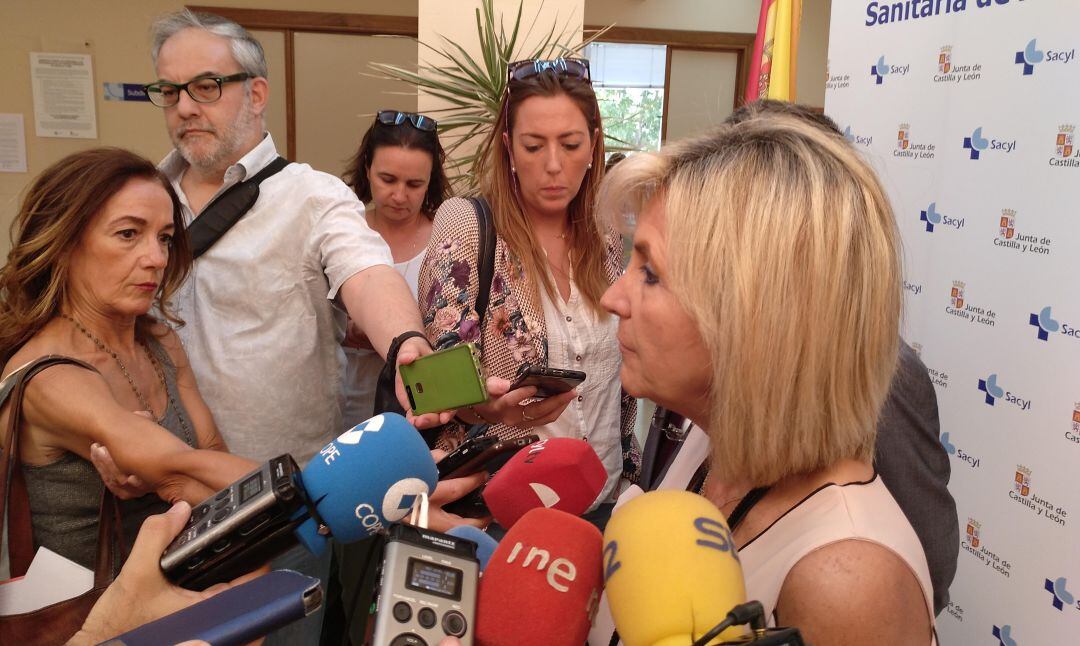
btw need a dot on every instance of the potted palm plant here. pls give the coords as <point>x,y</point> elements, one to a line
<point>472,86</point>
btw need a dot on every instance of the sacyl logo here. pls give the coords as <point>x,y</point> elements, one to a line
<point>1045,322</point>
<point>931,217</point>
<point>993,392</point>
<point>1062,597</point>
<point>949,447</point>
<point>1003,635</point>
<point>976,144</point>
<point>857,139</point>
<point>881,69</point>
<point>958,453</point>
<point>1047,325</point>
<point>1031,56</point>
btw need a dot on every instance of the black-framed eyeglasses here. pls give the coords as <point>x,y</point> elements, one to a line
<point>571,67</point>
<point>205,89</point>
<point>419,121</point>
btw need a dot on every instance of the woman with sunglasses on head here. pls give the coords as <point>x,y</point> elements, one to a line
<point>398,173</point>
<point>539,173</point>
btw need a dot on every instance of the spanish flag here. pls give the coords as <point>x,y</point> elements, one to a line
<point>772,66</point>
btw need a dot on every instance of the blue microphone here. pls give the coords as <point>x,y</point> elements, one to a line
<point>356,486</point>
<point>485,544</point>
<point>366,479</point>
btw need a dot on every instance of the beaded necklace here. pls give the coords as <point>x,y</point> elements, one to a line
<point>143,401</point>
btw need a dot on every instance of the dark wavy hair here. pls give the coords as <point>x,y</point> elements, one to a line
<point>402,136</point>
<point>50,224</point>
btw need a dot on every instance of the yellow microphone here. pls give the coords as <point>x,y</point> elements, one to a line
<point>671,570</point>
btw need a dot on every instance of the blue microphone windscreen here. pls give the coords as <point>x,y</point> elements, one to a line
<point>485,544</point>
<point>367,478</point>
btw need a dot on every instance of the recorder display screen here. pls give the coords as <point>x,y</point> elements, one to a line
<point>250,488</point>
<point>424,576</point>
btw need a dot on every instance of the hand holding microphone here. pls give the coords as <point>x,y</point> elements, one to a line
<point>357,485</point>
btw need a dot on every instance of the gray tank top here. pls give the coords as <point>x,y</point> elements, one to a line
<point>65,495</point>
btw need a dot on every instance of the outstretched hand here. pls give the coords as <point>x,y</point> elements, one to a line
<point>411,350</point>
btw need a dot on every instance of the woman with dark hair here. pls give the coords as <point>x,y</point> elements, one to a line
<point>539,173</point>
<point>398,173</point>
<point>98,242</point>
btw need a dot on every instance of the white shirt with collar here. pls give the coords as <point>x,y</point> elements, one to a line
<point>263,334</point>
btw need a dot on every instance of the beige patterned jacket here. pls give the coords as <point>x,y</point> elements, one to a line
<point>513,332</point>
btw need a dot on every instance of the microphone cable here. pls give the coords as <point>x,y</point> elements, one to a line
<point>751,612</point>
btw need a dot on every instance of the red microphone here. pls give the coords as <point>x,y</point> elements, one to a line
<point>543,583</point>
<point>557,473</point>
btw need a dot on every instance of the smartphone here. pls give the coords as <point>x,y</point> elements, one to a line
<point>445,380</point>
<point>548,381</point>
<point>480,453</point>
<point>471,505</point>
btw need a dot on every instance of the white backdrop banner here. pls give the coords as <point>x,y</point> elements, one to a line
<point>969,111</point>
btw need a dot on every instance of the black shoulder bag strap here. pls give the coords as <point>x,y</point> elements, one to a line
<point>227,209</point>
<point>385,397</point>
<point>485,259</point>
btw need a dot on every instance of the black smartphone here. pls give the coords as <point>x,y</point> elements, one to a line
<point>548,381</point>
<point>464,455</point>
<point>487,452</point>
<point>471,505</point>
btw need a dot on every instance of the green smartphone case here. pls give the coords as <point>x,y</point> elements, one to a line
<point>445,380</point>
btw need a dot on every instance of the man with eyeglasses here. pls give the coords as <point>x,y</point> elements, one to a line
<point>262,305</point>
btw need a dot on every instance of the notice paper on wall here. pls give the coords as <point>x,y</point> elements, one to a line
<point>12,144</point>
<point>63,86</point>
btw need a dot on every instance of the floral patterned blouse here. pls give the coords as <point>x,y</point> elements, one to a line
<point>514,330</point>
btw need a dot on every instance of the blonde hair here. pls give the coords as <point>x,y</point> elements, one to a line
<point>499,185</point>
<point>783,249</point>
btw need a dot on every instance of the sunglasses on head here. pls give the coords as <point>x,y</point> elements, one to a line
<point>571,67</point>
<point>418,121</point>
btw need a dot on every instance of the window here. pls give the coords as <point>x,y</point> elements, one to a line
<point>629,84</point>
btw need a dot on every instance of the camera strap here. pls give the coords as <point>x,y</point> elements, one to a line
<point>226,209</point>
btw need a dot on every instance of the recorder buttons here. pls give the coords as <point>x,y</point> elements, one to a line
<point>402,611</point>
<point>198,514</point>
<point>220,515</point>
<point>223,494</point>
<point>426,617</point>
<point>408,639</point>
<point>454,624</point>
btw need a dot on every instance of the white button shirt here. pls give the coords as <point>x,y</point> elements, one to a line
<point>262,333</point>
<point>577,340</point>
